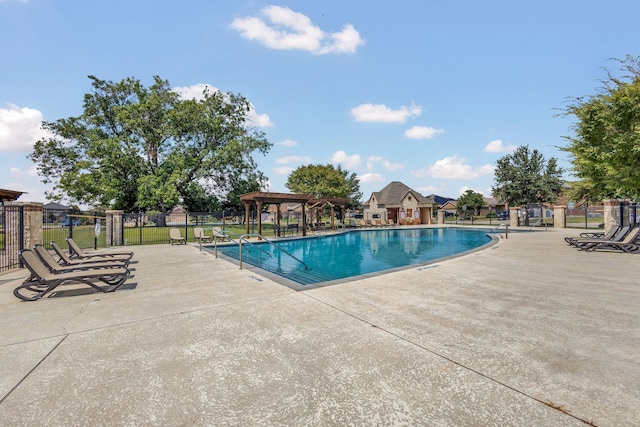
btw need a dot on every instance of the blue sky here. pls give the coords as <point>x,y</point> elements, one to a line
<point>427,92</point>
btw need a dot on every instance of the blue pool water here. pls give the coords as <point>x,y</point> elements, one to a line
<point>358,252</point>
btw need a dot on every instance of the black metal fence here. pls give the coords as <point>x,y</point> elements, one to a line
<point>11,236</point>
<point>86,228</point>
<point>153,228</point>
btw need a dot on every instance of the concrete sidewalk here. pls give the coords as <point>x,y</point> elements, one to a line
<point>529,332</point>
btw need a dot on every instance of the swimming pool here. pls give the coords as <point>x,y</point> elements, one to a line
<point>355,253</point>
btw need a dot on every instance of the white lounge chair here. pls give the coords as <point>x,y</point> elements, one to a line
<point>176,237</point>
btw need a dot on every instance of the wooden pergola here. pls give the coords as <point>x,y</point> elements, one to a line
<point>332,202</point>
<point>259,198</point>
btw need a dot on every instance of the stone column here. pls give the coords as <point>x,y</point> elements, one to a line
<point>514,219</point>
<point>616,213</point>
<point>441,217</point>
<point>31,223</point>
<point>115,226</point>
<point>560,216</point>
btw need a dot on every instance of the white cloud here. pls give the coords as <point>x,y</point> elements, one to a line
<point>388,165</point>
<point>260,120</point>
<point>349,162</point>
<point>371,177</point>
<point>453,168</point>
<point>20,128</point>
<point>288,143</point>
<point>380,113</point>
<point>198,90</point>
<point>497,146</point>
<point>195,91</point>
<point>392,166</point>
<point>283,170</point>
<point>294,159</point>
<point>288,30</point>
<point>422,132</point>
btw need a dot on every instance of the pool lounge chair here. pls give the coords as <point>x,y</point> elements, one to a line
<point>616,237</point>
<point>628,244</point>
<point>176,237</point>
<point>600,234</point>
<point>50,262</point>
<point>63,258</point>
<point>75,252</point>
<point>219,235</point>
<point>42,281</point>
<point>200,236</point>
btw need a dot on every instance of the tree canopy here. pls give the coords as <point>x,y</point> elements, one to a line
<point>325,181</point>
<point>524,177</point>
<point>472,200</point>
<point>605,146</point>
<point>136,148</point>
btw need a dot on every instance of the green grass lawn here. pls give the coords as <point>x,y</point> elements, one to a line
<point>84,234</point>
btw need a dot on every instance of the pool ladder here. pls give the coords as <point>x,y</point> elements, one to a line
<point>243,239</point>
<point>495,230</point>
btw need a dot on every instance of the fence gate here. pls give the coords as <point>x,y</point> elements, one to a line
<point>11,236</point>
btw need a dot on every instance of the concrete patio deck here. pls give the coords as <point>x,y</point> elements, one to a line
<point>529,332</point>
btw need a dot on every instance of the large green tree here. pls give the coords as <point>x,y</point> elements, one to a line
<point>524,177</point>
<point>473,202</point>
<point>136,147</point>
<point>605,145</point>
<point>325,181</point>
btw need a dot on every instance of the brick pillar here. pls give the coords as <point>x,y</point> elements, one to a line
<point>31,225</point>
<point>114,228</point>
<point>616,213</point>
<point>559,217</point>
<point>440,217</point>
<point>514,219</point>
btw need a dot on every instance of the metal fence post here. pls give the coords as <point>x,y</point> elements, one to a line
<point>20,232</point>
<point>186,226</point>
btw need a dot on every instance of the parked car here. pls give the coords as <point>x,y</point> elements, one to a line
<point>75,222</point>
<point>502,215</point>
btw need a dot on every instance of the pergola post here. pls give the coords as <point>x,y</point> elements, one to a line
<point>278,219</point>
<point>332,227</point>
<point>247,218</point>
<point>304,220</point>
<point>259,215</point>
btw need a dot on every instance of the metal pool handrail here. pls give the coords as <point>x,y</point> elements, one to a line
<point>242,238</point>
<point>506,230</point>
<point>228,235</point>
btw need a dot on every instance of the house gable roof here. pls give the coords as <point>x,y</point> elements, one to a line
<point>451,204</point>
<point>55,206</point>
<point>395,192</point>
